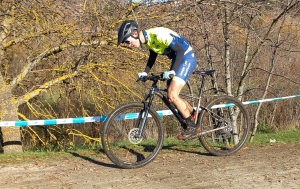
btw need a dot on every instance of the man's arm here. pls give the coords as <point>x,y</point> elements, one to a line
<point>151,61</point>
<point>179,56</point>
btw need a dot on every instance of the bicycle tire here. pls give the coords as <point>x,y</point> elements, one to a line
<point>118,140</point>
<point>235,120</point>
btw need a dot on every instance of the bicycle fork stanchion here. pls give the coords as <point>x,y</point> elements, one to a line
<point>145,112</point>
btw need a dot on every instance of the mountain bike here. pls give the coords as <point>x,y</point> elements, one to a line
<point>133,133</point>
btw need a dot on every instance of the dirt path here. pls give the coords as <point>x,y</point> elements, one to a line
<point>276,166</point>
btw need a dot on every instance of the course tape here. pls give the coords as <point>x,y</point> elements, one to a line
<point>81,120</point>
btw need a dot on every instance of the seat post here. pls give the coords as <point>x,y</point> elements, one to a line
<point>202,86</point>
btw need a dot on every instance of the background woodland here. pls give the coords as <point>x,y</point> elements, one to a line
<point>59,59</point>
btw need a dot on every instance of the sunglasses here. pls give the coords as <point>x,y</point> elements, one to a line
<point>127,42</point>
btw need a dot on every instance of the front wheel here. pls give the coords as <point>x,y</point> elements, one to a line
<point>226,124</point>
<point>120,139</point>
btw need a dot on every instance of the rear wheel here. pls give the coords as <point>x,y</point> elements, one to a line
<point>119,136</point>
<point>229,118</point>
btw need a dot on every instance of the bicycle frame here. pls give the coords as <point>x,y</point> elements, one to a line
<point>154,90</point>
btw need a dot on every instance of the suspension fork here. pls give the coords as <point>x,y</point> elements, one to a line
<point>143,115</point>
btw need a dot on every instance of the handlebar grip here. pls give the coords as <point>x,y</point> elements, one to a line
<point>143,79</point>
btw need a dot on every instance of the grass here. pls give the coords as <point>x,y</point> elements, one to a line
<point>261,139</point>
<point>31,157</point>
<point>279,138</point>
<point>171,145</point>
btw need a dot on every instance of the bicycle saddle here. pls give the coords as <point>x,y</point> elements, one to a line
<point>208,72</point>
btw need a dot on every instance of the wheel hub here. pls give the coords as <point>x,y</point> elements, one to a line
<point>226,132</point>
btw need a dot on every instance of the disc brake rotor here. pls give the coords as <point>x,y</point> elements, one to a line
<point>132,136</point>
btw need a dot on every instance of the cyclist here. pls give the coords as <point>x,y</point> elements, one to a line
<point>160,40</point>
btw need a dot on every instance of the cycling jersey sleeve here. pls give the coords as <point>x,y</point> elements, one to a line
<point>151,61</point>
<point>179,56</point>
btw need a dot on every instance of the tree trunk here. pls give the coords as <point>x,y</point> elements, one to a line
<point>11,136</point>
<point>272,68</point>
<point>9,112</point>
<point>226,29</point>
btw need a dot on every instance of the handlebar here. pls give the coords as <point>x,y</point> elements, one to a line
<point>159,76</point>
<point>154,77</point>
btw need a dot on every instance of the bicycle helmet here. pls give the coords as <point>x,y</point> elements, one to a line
<point>126,30</point>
